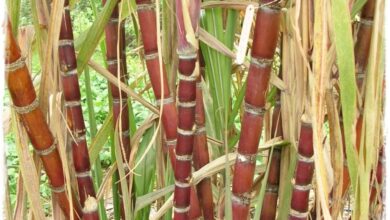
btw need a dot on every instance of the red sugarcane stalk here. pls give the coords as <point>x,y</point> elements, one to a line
<point>303,173</point>
<point>187,53</point>
<point>26,104</point>
<point>75,119</point>
<point>264,44</point>
<point>271,192</point>
<point>114,36</point>
<point>148,26</point>
<point>201,153</point>
<point>116,62</point>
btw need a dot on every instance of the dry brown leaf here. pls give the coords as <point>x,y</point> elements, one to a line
<point>31,179</point>
<point>21,199</point>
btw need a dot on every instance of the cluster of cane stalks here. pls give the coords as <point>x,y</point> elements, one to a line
<point>184,116</point>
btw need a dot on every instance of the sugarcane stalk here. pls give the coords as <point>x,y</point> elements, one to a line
<point>264,44</point>
<point>271,192</point>
<point>187,18</point>
<point>75,119</point>
<point>117,67</point>
<point>116,62</point>
<point>148,26</point>
<point>201,152</point>
<point>303,173</point>
<point>26,104</point>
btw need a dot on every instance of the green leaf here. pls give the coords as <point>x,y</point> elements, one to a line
<point>145,171</point>
<point>97,171</point>
<point>260,197</point>
<point>101,138</point>
<point>129,7</point>
<point>237,105</point>
<point>343,39</point>
<point>91,39</point>
<point>13,7</point>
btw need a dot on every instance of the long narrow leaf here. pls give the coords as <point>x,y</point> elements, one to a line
<point>101,138</point>
<point>342,35</point>
<point>89,43</point>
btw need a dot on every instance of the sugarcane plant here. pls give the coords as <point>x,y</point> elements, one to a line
<point>265,39</point>
<point>74,113</point>
<point>26,105</point>
<point>158,78</point>
<point>304,172</point>
<point>157,74</point>
<point>187,20</point>
<point>243,110</point>
<point>116,64</point>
